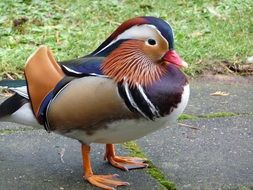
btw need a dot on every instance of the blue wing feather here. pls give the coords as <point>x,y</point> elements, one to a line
<point>89,65</point>
<point>85,66</point>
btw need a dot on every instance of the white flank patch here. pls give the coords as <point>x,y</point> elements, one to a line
<point>24,115</point>
<point>22,91</point>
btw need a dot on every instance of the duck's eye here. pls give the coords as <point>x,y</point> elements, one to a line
<point>151,42</point>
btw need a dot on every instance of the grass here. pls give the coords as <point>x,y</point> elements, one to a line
<point>135,151</point>
<point>206,32</point>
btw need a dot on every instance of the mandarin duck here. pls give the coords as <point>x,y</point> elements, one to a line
<point>130,86</point>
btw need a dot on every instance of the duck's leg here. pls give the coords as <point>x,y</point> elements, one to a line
<point>124,163</point>
<point>109,182</point>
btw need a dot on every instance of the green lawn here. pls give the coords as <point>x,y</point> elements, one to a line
<point>207,32</point>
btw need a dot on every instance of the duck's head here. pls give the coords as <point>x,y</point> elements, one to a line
<point>139,50</point>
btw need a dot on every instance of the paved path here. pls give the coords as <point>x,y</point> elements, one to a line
<point>214,153</point>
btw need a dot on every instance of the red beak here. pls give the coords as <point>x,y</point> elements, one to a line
<point>172,57</point>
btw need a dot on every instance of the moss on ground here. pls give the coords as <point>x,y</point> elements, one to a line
<point>157,174</point>
<point>187,116</point>
<point>218,114</point>
<point>11,131</point>
<point>208,116</point>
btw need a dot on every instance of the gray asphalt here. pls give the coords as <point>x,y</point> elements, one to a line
<point>31,160</point>
<point>218,154</point>
<point>239,100</point>
<point>200,154</point>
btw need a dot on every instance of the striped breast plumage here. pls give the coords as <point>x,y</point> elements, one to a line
<point>156,100</point>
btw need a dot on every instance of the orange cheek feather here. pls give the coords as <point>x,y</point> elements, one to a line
<point>129,63</point>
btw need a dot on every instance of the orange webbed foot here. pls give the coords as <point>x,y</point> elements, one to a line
<point>124,163</point>
<point>127,163</point>
<point>109,182</point>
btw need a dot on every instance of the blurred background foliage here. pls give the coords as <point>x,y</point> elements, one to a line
<point>207,33</point>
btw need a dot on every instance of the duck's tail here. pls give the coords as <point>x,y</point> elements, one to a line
<point>17,108</point>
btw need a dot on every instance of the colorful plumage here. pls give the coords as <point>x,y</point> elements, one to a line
<point>130,86</point>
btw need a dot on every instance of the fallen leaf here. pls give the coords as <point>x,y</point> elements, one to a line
<point>61,153</point>
<point>219,93</point>
<point>196,34</point>
<point>214,12</point>
<point>249,60</point>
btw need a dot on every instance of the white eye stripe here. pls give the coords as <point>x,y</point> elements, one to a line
<point>137,32</point>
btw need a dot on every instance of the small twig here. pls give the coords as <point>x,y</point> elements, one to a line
<point>58,7</point>
<point>226,68</point>
<point>17,75</point>
<point>57,36</point>
<point>9,76</point>
<point>190,126</point>
<point>6,93</point>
